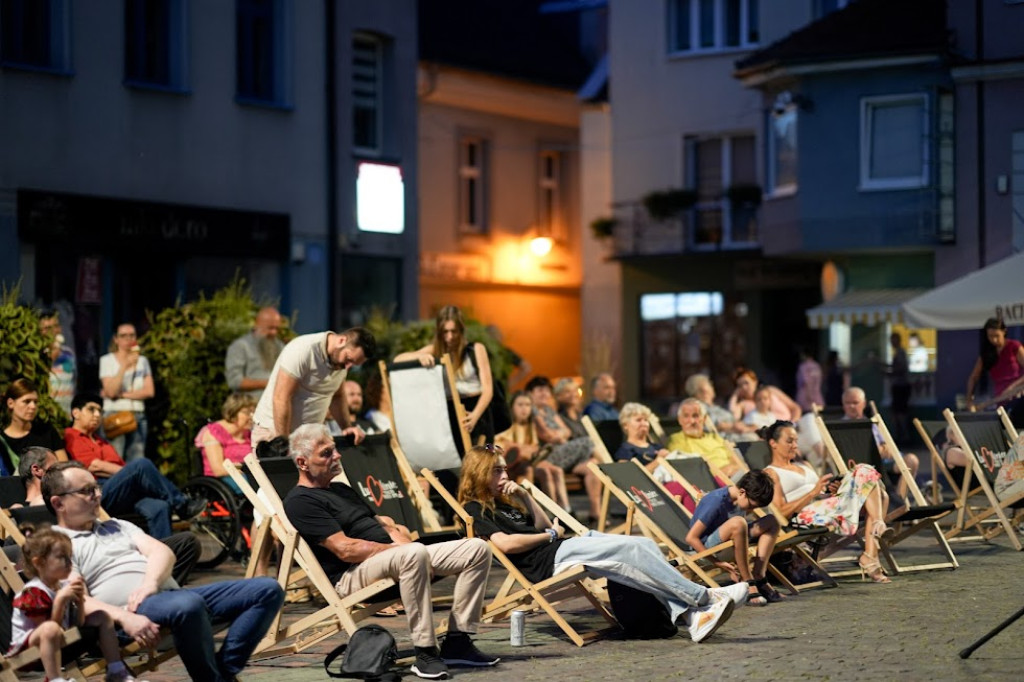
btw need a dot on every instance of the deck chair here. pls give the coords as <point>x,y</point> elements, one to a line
<point>700,478</point>
<point>378,470</point>
<point>519,593</point>
<point>659,516</point>
<point>10,584</point>
<point>854,439</point>
<point>929,430</point>
<point>297,561</point>
<point>978,432</point>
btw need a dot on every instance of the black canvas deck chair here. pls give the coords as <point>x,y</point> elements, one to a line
<point>854,440</point>
<point>659,516</point>
<point>271,479</point>
<point>930,432</point>
<point>986,437</point>
<point>700,478</point>
<point>378,470</point>
<point>520,593</point>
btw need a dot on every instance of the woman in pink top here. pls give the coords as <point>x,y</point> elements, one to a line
<point>741,403</point>
<point>1003,359</point>
<point>227,438</point>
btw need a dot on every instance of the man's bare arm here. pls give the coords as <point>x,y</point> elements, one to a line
<point>284,390</point>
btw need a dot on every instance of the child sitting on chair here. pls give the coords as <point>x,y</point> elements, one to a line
<point>720,517</point>
<point>51,602</point>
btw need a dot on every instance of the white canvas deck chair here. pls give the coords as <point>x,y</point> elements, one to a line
<point>519,593</point>
<point>986,436</point>
<point>854,440</point>
<point>419,413</point>
<point>296,561</point>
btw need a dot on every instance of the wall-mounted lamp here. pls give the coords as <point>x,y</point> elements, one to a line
<point>540,246</point>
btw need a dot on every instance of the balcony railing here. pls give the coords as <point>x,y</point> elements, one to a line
<point>708,226</point>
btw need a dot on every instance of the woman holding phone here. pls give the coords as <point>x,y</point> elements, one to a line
<point>127,383</point>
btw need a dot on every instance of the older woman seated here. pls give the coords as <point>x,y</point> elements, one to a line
<point>227,438</point>
<point>635,420</point>
<point>511,519</point>
<point>812,500</point>
<point>692,439</point>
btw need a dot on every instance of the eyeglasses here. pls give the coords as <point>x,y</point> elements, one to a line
<point>89,492</point>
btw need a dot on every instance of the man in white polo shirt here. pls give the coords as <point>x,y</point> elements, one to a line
<point>128,574</point>
<point>307,383</point>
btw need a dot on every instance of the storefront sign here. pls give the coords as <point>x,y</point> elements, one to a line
<point>112,225</point>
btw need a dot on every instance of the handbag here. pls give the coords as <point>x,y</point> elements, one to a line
<point>369,655</point>
<point>119,423</point>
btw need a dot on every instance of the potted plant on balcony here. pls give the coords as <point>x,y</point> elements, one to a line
<point>603,227</point>
<point>669,203</point>
<point>744,195</point>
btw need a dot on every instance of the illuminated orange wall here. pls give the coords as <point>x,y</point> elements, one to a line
<point>540,324</point>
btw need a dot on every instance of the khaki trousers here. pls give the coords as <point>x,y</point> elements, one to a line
<point>412,566</point>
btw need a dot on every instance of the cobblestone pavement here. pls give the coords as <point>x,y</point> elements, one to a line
<point>911,629</point>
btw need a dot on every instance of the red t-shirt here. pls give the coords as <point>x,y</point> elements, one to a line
<point>84,448</point>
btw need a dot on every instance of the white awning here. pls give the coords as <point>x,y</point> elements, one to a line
<point>965,303</point>
<point>865,306</point>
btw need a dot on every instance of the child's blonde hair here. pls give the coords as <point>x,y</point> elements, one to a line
<point>39,545</point>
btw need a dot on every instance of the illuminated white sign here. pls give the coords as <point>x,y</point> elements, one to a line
<point>380,198</point>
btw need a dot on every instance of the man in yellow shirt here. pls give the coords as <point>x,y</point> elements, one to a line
<point>693,440</point>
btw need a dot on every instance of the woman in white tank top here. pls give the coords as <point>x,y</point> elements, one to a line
<point>811,500</point>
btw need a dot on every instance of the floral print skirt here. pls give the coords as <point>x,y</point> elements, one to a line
<point>840,513</point>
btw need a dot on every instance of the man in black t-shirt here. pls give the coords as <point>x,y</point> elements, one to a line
<point>355,547</point>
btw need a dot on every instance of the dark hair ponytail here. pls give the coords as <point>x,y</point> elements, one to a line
<point>771,432</point>
<point>987,351</point>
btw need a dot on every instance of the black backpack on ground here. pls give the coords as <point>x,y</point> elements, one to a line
<point>640,613</point>
<point>369,654</point>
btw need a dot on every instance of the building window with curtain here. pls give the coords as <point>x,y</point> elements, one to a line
<point>367,93</point>
<point>473,181</point>
<point>154,43</point>
<point>723,172</point>
<point>551,218</point>
<point>696,26</point>
<point>35,35</point>
<point>261,47</point>
<point>894,142</point>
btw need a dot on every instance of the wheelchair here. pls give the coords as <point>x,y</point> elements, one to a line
<point>223,528</point>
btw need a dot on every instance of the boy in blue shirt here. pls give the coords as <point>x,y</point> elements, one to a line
<point>720,517</point>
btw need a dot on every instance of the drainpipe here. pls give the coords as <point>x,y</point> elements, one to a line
<point>979,108</point>
<point>331,169</point>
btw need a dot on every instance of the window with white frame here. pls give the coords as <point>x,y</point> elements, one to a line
<point>894,142</point>
<point>34,34</point>
<point>154,43</point>
<point>367,92</point>
<point>715,166</point>
<point>551,216</point>
<point>782,145</point>
<point>261,45</point>
<point>712,25</point>
<point>473,179</point>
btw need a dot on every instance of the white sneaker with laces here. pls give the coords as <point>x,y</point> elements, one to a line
<point>704,621</point>
<point>737,592</point>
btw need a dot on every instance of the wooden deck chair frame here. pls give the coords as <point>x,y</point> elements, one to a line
<point>938,465</point>
<point>914,518</point>
<point>788,539</point>
<point>449,377</point>
<point>682,557</point>
<point>996,507</point>
<point>341,613</point>
<point>519,592</point>
<point>602,455</point>
<point>12,583</point>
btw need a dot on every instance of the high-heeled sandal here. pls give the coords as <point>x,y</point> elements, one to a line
<point>767,591</point>
<point>872,568</point>
<point>881,531</point>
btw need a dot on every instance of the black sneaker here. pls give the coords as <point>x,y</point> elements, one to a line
<point>458,649</point>
<point>429,664</point>
<point>191,508</point>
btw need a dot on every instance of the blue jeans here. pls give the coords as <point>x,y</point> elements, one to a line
<point>636,562</point>
<point>141,488</point>
<point>249,605</point>
<point>132,446</point>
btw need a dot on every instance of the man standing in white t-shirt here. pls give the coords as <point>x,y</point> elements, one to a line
<point>307,383</point>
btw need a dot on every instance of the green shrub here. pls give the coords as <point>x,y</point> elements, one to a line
<point>23,353</point>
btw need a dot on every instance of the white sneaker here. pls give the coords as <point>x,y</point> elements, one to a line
<point>706,619</point>
<point>737,592</point>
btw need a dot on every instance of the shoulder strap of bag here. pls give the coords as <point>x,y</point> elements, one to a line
<point>15,459</point>
<point>335,654</point>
